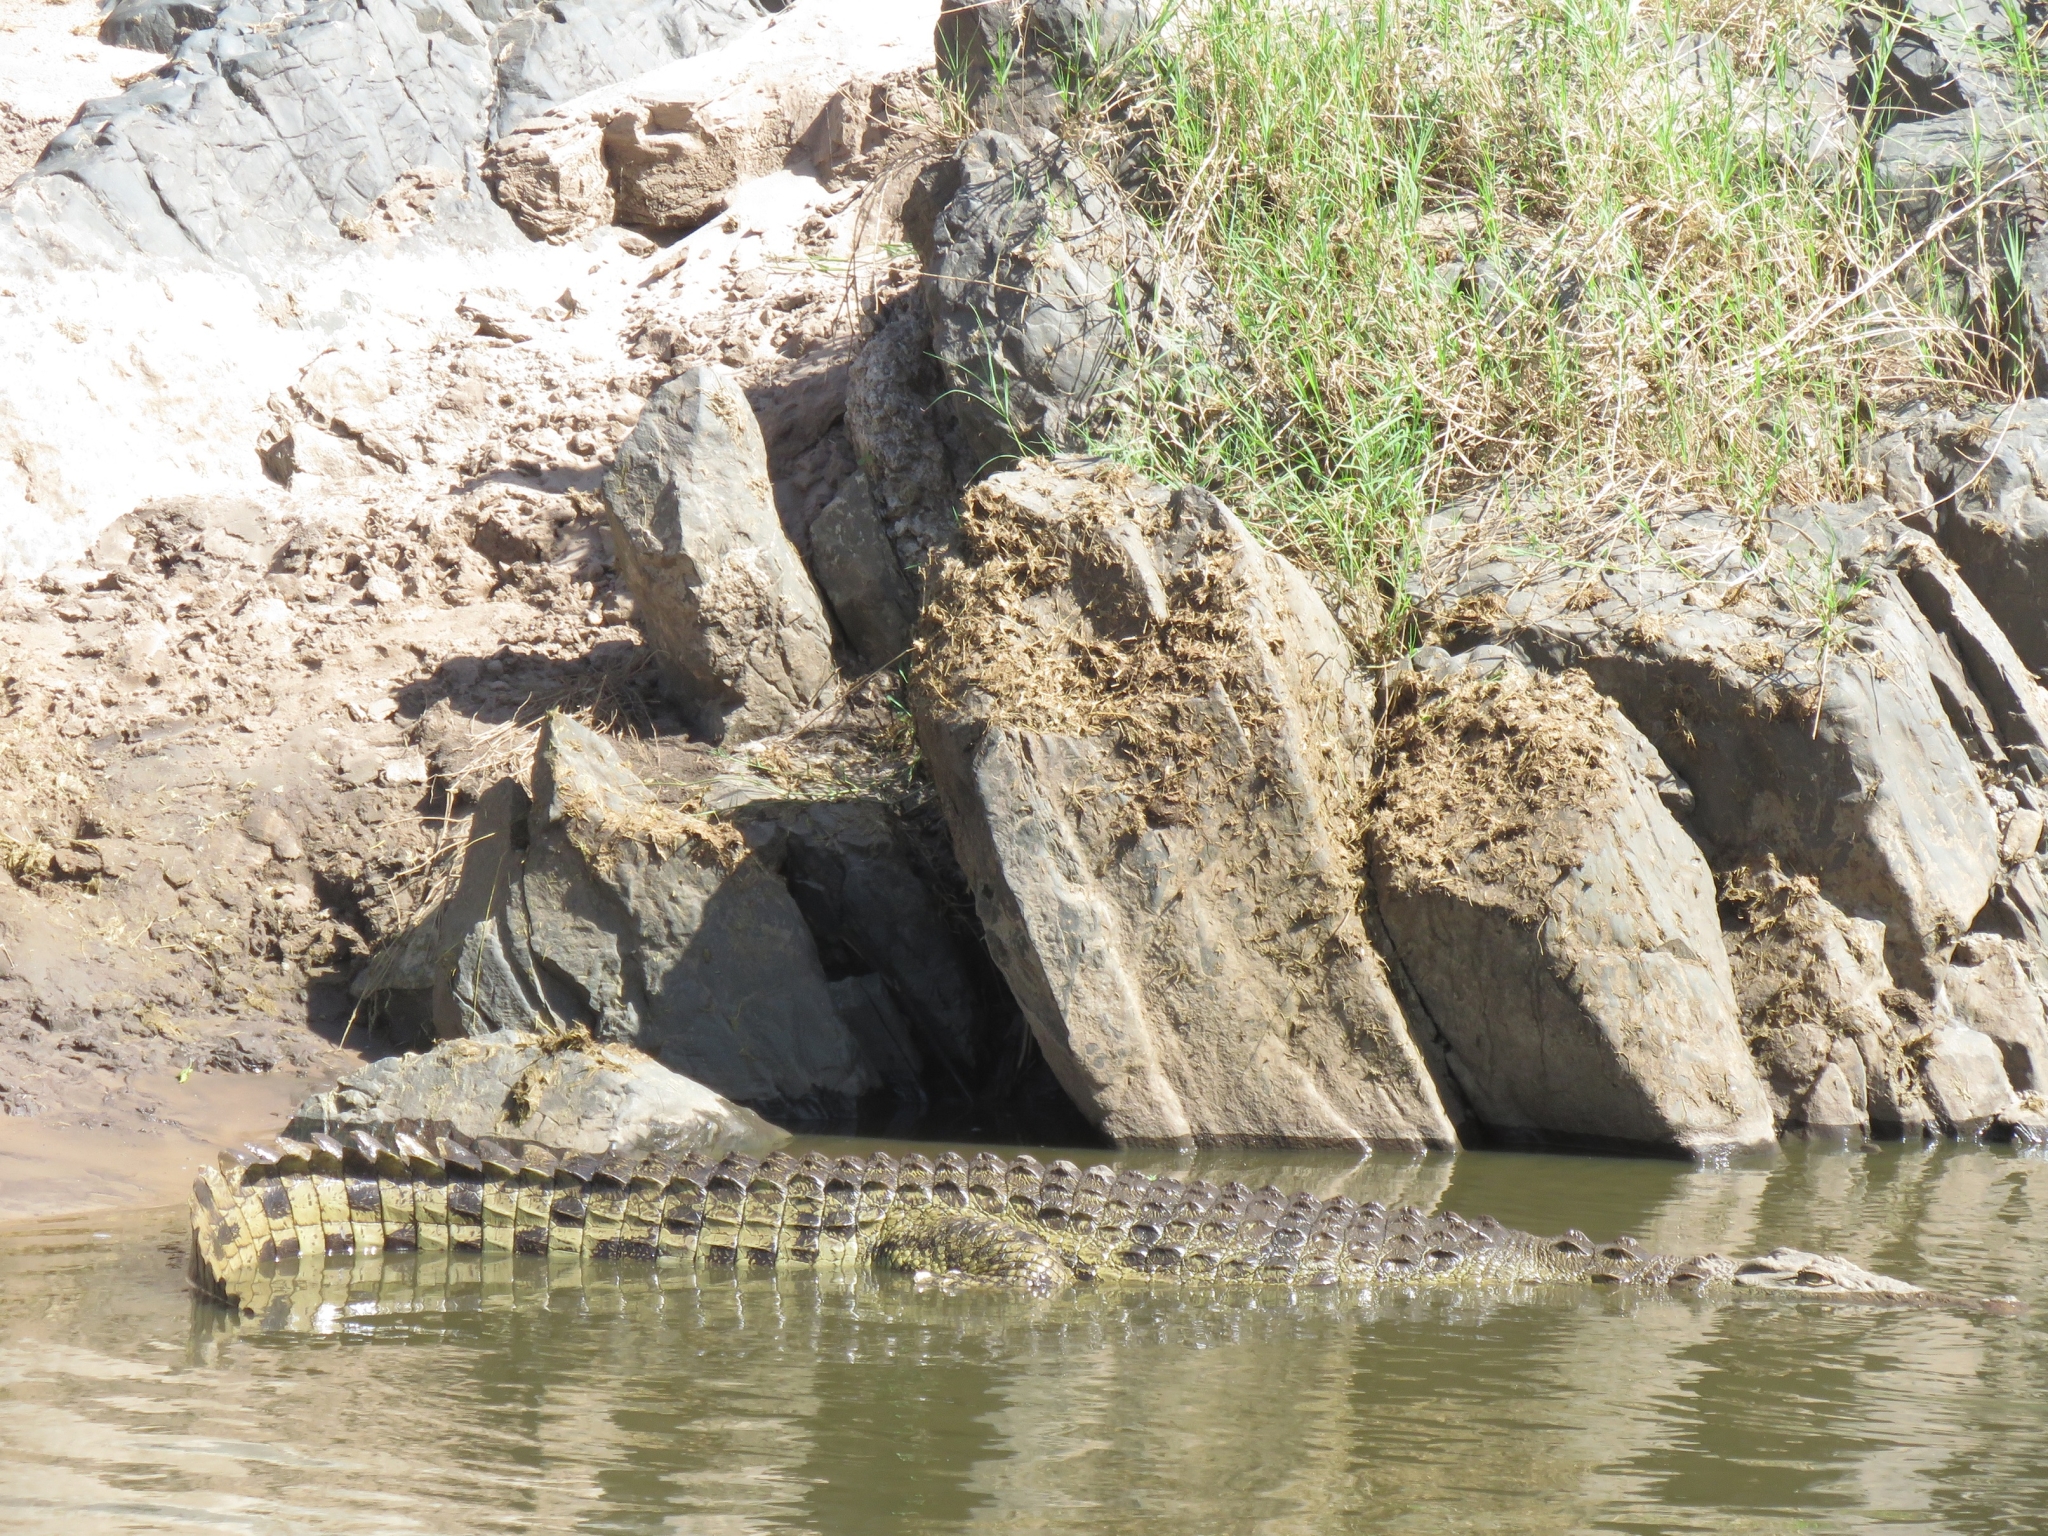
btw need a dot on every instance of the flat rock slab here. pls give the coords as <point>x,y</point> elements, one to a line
<point>1148,737</point>
<point>565,1091</point>
<point>1555,919</point>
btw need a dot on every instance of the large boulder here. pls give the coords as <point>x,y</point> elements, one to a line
<point>814,959</point>
<point>1819,714</point>
<point>1150,742</point>
<point>597,905</point>
<point>723,596</point>
<point>564,1091</point>
<point>1555,920</point>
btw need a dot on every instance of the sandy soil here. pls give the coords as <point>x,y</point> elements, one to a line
<point>234,732</point>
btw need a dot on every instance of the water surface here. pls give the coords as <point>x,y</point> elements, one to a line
<point>645,1403</point>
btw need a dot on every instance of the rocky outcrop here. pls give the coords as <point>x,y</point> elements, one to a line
<point>674,142</point>
<point>1981,481</point>
<point>565,1090</point>
<point>1555,920</point>
<point>1797,741</point>
<point>277,133</point>
<point>554,54</point>
<point>1044,294</point>
<point>596,905</point>
<point>722,595</point>
<point>1150,741</point>
<point>1861,744</point>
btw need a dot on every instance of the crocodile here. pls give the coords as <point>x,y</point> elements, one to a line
<point>954,1220</point>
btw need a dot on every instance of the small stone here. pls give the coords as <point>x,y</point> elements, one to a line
<point>267,825</point>
<point>180,871</point>
<point>402,771</point>
<point>370,711</point>
<point>382,589</point>
<point>361,766</point>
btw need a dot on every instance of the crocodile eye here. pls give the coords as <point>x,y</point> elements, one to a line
<point>1815,1277</point>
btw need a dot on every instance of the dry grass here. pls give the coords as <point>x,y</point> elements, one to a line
<point>1489,786</point>
<point>1040,621</point>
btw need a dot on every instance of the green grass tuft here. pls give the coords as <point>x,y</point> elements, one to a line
<point>1511,246</point>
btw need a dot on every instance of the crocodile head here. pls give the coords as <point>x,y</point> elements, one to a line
<point>1829,1277</point>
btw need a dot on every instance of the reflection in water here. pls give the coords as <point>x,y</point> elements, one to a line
<point>442,1394</point>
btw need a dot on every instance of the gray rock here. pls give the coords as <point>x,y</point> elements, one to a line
<point>722,595</point>
<point>1965,1080</point>
<point>1006,57</point>
<point>1147,734</point>
<point>552,54</point>
<point>276,131</point>
<point>891,390</point>
<point>1043,292</point>
<point>645,924</point>
<point>858,572</point>
<point>1817,1007</point>
<point>1988,474</point>
<point>156,26</point>
<point>264,140</point>
<point>1554,919</point>
<point>563,1091</point>
<point>1848,764</point>
<point>1991,989</point>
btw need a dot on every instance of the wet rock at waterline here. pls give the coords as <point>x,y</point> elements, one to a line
<point>565,1090</point>
<point>1824,1023</point>
<point>1554,919</point>
<point>597,905</point>
<point>720,592</point>
<point>1149,737</point>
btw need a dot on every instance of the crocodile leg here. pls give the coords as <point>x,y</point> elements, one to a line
<point>970,1245</point>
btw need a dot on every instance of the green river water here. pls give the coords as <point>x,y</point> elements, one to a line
<point>647,1402</point>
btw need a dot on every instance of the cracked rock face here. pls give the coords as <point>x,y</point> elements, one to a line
<point>1149,738</point>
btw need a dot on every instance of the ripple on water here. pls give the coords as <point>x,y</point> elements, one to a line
<point>651,1403</point>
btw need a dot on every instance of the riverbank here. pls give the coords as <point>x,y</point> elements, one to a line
<point>1050,602</point>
